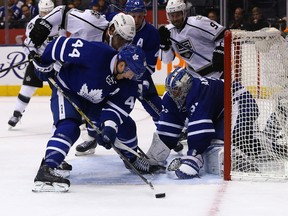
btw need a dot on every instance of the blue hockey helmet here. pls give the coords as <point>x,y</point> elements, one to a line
<point>135,59</point>
<point>178,84</point>
<point>135,6</point>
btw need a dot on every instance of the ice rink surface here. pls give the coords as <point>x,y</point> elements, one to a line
<point>102,186</point>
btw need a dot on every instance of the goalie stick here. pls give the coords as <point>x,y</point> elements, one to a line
<point>189,49</point>
<point>11,67</point>
<point>99,132</point>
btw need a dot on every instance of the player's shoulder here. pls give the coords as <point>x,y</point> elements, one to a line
<point>170,27</point>
<point>197,20</point>
<point>89,16</point>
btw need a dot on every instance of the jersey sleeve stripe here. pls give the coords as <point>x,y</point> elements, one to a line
<point>116,113</point>
<point>170,124</point>
<point>63,49</point>
<point>200,122</point>
<point>54,48</point>
<point>201,132</point>
<point>118,108</point>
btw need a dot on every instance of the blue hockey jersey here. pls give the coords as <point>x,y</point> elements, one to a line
<point>147,37</point>
<point>88,68</point>
<point>204,109</point>
<point>88,73</point>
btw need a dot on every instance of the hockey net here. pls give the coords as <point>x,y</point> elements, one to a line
<point>256,128</point>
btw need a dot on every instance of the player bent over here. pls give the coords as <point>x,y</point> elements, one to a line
<point>201,101</point>
<point>98,79</point>
<point>147,37</point>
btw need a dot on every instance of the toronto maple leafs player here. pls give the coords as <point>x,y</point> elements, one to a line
<point>197,39</point>
<point>97,78</point>
<point>147,37</point>
<point>201,100</point>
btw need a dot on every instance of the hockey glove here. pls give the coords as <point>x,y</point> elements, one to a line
<point>39,66</point>
<point>40,32</point>
<point>165,42</point>
<point>143,88</point>
<point>218,58</point>
<point>108,135</point>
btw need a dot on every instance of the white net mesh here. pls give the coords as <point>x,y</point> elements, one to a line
<point>259,132</point>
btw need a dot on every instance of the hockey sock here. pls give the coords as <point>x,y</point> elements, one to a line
<point>65,135</point>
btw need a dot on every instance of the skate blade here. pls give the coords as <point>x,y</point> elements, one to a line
<point>89,152</point>
<point>48,187</point>
<point>63,173</point>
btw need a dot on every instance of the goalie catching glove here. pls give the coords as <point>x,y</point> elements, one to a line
<point>165,42</point>
<point>40,32</point>
<point>108,135</point>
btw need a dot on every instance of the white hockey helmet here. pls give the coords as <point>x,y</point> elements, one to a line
<point>176,6</point>
<point>124,26</point>
<point>45,6</point>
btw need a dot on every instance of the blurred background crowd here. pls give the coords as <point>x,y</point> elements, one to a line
<point>242,14</point>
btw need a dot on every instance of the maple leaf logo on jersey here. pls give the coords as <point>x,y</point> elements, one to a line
<point>95,95</point>
<point>135,57</point>
<point>184,52</point>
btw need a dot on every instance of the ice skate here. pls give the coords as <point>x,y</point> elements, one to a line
<point>86,148</point>
<point>15,118</point>
<point>47,180</point>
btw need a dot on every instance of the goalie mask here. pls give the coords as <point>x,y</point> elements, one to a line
<point>135,60</point>
<point>45,7</point>
<point>178,84</point>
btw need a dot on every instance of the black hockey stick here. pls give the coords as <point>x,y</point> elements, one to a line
<point>189,49</point>
<point>117,7</point>
<point>99,132</point>
<point>11,67</point>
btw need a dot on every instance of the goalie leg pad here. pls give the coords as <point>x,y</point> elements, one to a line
<point>213,158</point>
<point>158,151</point>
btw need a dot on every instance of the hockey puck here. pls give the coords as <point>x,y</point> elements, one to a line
<point>160,195</point>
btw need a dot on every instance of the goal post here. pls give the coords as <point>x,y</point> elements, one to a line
<point>256,105</point>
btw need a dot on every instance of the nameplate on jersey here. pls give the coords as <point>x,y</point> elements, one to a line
<point>183,52</point>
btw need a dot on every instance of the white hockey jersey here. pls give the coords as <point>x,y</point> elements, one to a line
<point>29,45</point>
<point>88,25</point>
<point>199,34</point>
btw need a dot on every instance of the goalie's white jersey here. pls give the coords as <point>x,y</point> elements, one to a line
<point>198,34</point>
